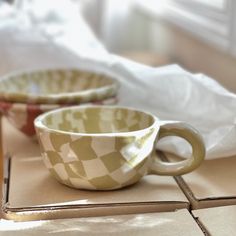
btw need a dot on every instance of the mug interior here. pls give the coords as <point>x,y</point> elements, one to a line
<point>97,120</point>
<point>54,82</point>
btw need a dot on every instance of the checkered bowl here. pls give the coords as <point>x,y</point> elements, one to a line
<point>57,86</point>
<point>96,147</point>
<point>22,115</point>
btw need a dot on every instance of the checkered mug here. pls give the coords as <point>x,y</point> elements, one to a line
<point>109,147</point>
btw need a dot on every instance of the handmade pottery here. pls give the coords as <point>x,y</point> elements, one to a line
<point>109,147</point>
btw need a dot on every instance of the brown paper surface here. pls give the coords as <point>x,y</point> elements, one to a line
<point>1,161</point>
<point>32,187</point>
<point>151,224</point>
<point>217,221</point>
<point>212,184</point>
<point>16,143</point>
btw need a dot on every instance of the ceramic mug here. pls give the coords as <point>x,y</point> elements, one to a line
<point>109,147</point>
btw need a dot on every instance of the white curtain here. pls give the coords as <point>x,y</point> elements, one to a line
<point>117,24</point>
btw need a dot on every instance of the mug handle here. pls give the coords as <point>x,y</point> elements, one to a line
<point>193,137</point>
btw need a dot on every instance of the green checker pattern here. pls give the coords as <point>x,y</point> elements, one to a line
<point>97,162</point>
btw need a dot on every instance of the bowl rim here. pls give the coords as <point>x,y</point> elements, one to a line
<point>18,105</point>
<point>78,97</point>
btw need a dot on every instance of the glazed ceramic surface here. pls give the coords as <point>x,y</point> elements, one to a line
<point>22,115</point>
<point>57,86</point>
<point>103,147</point>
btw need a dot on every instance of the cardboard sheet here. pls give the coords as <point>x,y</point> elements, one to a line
<point>212,184</point>
<point>217,221</point>
<point>34,194</point>
<point>1,161</point>
<point>151,224</point>
<point>17,144</point>
<point>13,143</point>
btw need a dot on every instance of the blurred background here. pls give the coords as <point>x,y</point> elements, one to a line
<point>199,35</point>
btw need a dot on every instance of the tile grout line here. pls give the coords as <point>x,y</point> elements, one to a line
<point>181,183</point>
<point>200,225</point>
<point>190,196</point>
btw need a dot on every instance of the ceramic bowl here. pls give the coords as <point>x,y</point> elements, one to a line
<point>22,115</point>
<point>57,86</point>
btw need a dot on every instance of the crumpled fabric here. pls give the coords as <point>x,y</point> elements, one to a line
<point>59,37</point>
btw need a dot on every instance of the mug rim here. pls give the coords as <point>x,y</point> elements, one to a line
<point>38,122</point>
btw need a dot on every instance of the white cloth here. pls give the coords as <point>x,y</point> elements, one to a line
<point>59,37</point>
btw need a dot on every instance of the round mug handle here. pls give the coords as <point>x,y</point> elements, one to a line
<point>192,136</point>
